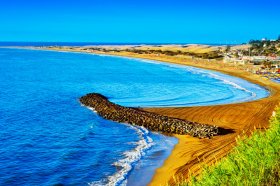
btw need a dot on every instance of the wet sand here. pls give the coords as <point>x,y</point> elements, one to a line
<point>191,154</point>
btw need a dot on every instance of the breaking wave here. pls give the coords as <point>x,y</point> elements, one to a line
<point>125,165</point>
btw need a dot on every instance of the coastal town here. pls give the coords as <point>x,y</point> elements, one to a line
<point>260,56</point>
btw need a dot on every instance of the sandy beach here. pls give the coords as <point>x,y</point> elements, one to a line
<point>191,154</point>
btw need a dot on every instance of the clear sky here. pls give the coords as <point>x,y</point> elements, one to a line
<point>139,21</point>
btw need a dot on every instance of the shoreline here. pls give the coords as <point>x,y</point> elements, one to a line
<point>190,154</point>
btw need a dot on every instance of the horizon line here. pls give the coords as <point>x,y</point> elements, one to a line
<point>125,43</point>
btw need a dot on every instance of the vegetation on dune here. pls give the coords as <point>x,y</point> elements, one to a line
<point>254,161</point>
<point>265,47</point>
<point>197,52</point>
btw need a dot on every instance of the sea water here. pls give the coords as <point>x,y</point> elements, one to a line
<point>47,137</point>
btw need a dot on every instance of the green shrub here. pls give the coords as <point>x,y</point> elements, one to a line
<point>254,161</point>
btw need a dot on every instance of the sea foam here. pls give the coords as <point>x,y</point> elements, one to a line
<point>225,80</point>
<point>125,165</point>
<point>131,157</point>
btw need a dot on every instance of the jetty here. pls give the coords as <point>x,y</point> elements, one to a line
<point>149,120</point>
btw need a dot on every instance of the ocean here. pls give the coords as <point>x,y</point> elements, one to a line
<point>48,138</point>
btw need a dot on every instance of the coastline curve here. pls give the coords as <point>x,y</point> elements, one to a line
<point>191,154</point>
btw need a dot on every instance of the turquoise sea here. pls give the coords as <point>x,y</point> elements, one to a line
<point>47,137</point>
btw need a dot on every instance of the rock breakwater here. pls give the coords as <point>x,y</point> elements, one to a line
<point>149,120</point>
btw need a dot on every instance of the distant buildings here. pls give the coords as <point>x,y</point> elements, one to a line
<point>250,59</point>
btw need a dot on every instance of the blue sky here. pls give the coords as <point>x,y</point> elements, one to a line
<point>135,21</point>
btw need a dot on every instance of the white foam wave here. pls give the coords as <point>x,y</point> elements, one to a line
<point>90,108</point>
<point>131,157</point>
<point>232,84</point>
<point>223,79</point>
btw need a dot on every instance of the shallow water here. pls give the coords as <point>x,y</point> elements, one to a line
<point>47,137</point>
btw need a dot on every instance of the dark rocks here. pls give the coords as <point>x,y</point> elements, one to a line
<point>152,121</point>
